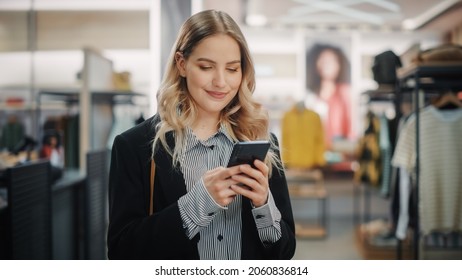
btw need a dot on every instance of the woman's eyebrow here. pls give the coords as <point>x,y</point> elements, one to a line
<point>234,61</point>
<point>211,61</point>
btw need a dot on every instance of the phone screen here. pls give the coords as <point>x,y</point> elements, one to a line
<point>247,152</point>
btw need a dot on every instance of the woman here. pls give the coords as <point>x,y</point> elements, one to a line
<point>201,209</point>
<point>329,78</point>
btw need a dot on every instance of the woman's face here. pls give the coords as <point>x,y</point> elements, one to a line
<point>213,73</point>
<point>328,65</point>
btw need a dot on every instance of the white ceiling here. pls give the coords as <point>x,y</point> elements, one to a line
<point>439,15</point>
<point>433,15</point>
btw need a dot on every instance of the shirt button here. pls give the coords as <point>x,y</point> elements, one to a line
<point>220,237</point>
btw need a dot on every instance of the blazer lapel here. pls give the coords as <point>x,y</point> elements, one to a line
<point>172,185</point>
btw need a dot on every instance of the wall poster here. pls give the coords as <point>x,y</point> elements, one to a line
<point>328,86</point>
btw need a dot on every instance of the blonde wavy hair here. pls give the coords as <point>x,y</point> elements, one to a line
<point>243,118</point>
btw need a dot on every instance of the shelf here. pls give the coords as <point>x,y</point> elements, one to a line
<point>307,192</point>
<point>432,76</point>
<point>303,175</point>
<point>371,251</point>
<point>432,69</point>
<point>386,95</point>
<point>71,96</point>
<point>309,231</point>
<point>19,107</point>
<point>306,183</point>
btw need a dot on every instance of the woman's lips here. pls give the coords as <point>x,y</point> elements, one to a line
<point>217,94</point>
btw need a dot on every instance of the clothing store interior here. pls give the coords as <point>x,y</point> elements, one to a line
<point>356,91</point>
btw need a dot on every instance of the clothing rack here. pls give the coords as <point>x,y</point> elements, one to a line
<point>432,76</point>
<point>369,96</point>
<point>96,88</point>
<point>377,101</point>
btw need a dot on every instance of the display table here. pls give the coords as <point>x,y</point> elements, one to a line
<point>372,247</point>
<point>309,185</point>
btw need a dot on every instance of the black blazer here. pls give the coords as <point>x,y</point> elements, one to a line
<point>133,234</point>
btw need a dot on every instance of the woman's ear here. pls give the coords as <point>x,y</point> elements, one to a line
<point>180,64</point>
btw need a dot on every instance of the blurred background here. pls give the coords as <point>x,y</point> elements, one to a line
<point>336,76</point>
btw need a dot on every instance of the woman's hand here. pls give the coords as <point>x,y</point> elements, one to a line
<point>255,182</point>
<point>218,181</point>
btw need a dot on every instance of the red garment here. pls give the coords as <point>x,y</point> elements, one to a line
<point>338,122</point>
<point>46,151</point>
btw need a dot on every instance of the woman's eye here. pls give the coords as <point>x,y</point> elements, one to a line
<point>205,67</point>
<point>232,69</point>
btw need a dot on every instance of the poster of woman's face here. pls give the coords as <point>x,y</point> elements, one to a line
<point>328,87</point>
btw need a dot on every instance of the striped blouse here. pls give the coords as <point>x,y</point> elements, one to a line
<point>219,227</point>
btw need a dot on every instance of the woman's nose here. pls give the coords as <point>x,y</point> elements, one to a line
<point>219,79</point>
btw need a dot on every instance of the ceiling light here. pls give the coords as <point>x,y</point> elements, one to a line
<point>254,16</point>
<point>256,20</point>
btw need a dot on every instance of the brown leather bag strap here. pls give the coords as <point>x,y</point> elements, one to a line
<point>151,185</point>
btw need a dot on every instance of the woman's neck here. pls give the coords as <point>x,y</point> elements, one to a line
<point>327,89</point>
<point>203,128</point>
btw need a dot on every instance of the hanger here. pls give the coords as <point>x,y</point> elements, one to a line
<point>448,101</point>
<point>300,105</point>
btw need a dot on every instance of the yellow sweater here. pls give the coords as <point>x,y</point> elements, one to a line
<point>303,143</point>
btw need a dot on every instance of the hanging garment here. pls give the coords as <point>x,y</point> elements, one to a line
<point>368,153</point>
<point>71,141</point>
<point>397,207</point>
<point>440,158</point>
<point>302,139</point>
<point>404,196</point>
<point>12,134</point>
<point>385,151</point>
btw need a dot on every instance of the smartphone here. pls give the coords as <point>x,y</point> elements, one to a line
<point>248,151</point>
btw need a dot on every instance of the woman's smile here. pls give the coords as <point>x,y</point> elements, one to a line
<point>216,94</point>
